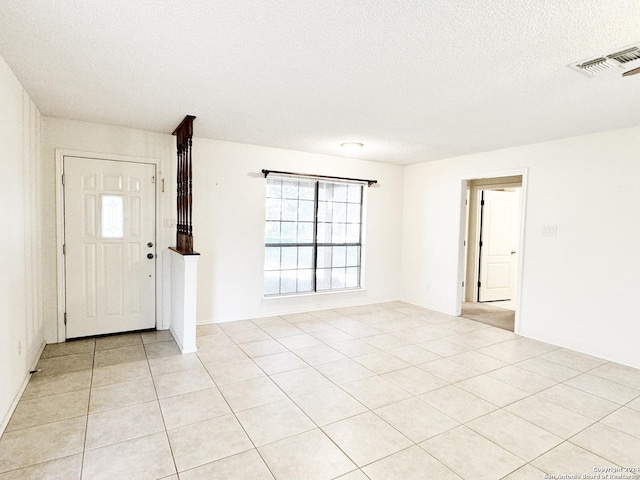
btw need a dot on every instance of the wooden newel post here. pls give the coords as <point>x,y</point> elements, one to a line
<point>184,233</point>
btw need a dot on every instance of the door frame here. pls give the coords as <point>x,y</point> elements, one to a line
<point>60,260</point>
<point>485,179</point>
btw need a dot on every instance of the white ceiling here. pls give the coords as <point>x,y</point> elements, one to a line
<point>413,80</point>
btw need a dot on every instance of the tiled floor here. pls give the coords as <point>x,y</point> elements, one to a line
<point>385,391</point>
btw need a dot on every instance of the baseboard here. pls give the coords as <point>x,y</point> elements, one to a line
<point>23,387</point>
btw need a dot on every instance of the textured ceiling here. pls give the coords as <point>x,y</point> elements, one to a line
<point>413,80</point>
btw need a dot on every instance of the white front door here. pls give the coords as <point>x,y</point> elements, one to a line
<point>109,224</point>
<point>499,239</point>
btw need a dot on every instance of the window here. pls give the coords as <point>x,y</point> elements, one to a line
<point>313,235</point>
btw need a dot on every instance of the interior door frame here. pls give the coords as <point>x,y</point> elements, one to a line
<point>61,154</point>
<point>466,189</point>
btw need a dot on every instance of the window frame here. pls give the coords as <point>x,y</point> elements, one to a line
<point>316,244</point>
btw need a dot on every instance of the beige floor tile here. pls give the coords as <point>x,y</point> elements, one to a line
<point>619,373</point>
<point>416,420</point>
<point>366,438</point>
<point>280,362</point>
<point>191,448</point>
<point>296,318</point>
<point>478,361</point>
<point>263,347</point>
<point>464,325</point>
<point>435,332</point>
<point>492,390</point>
<point>469,341</point>
<point>381,362</point>
<point>118,341</point>
<point>634,404</point>
<point>449,371</point>
<point>494,335</point>
<point>344,371</point>
<point>208,329</point>
<point>549,416</point>
<point>578,401</point>
<point>313,326</point>
<point>174,363</point>
<point>522,379</point>
<point>52,408</point>
<point>354,347</point>
<point>249,335</point>
<point>414,380</point>
<point>42,385</point>
<point>156,336</point>
<point>119,425</point>
<point>251,393</point>
<point>443,347</point>
<point>569,459</point>
<point>269,321</point>
<point>193,407</point>
<point>177,383</point>
<point>526,472</point>
<point>113,356</point>
<point>457,403</point>
<point>604,388</point>
<point>243,466</point>
<point>326,315</point>
<point>626,420</point>
<point>66,364</point>
<point>412,336</point>
<point>609,443</point>
<point>119,373</point>
<point>299,382</point>
<point>355,475</point>
<point>514,434</point>
<point>236,325</point>
<point>471,455</point>
<point>319,355</point>
<point>297,457</point>
<point>575,360</point>
<point>226,373</point>
<point>333,335</point>
<point>375,392</point>
<point>386,341</point>
<point>119,395</point>
<point>282,330</point>
<point>548,369</point>
<point>28,446</point>
<point>68,468</point>
<point>413,354</point>
<point>215,342</point>
<point>298,342</point>
<point>330,405</point>
<point>513,351</point>
<point>410,464</point>
<point>69,348</point>
<point>274,421</point>
<point>227,353</point>
<point>138,459</point>
<point>161,349</point>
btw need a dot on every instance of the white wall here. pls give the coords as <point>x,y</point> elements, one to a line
<point>579,287</point>
<point>21,316</point>
<point>229,216</point>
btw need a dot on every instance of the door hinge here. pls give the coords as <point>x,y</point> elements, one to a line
<point>64,248</point>
<point>153,179</point>
<point>65,318</point>
<point>479,284</point>
<point>63,179</point>
<point>482,202</point>
<point>463,284</point>
<point>480,243</point>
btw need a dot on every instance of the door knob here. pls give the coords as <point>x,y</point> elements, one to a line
<point>149,244</point>
<point>513,252</point>
<point>149,256</point>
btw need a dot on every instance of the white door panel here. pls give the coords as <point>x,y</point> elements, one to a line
<point>498,256</point>
<point>109,220</point>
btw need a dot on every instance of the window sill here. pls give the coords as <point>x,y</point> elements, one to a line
<point>315,294</point>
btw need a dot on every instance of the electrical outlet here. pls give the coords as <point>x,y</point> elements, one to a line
<point>549,231</point>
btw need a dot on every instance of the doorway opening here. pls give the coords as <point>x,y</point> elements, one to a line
<point>491,250</point>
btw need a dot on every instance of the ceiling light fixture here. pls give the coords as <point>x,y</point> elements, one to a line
<point>352,147</point>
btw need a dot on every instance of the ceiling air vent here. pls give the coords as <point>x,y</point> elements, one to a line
<point>628,55</point>
<point>626,59</point>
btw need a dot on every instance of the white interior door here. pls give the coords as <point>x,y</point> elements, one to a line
<point>109,222</point>
<point>499,240</point>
